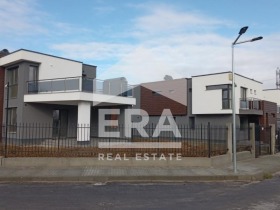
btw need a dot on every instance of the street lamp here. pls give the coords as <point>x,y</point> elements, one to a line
<point>242,31</point>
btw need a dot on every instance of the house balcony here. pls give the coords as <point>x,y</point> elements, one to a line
<point>73,89</point>
<point>118,87</point>
<point>250,106</point>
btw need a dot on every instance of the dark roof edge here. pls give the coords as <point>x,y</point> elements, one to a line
<point>227,72</point>
<point>89,65</point>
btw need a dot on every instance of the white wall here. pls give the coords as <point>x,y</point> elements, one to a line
<point>272,95</point>
<point>210,101</point>
<point>50,67</point>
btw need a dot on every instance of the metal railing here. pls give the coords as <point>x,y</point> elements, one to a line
<point>250,103</point>
<point>47,140</point>
<point>81,84</point>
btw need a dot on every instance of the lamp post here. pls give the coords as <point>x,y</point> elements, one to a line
<point>7,118</point>
<point>242,31</point>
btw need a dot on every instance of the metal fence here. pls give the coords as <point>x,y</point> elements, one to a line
<point>45,140</point>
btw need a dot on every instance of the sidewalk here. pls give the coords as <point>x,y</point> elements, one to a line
<point>248,170</point>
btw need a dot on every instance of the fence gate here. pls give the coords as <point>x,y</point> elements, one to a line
<point>277,141</point>
<point>263,140</point>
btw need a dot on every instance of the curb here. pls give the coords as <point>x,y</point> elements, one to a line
<point>254,177</point>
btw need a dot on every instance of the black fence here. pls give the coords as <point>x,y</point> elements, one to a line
<point>46,140</point>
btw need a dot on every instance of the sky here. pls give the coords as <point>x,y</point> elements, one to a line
<point>146,40</point>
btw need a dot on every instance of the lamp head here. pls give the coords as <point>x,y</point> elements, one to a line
<point>256,39</point>
<point>243,30</point>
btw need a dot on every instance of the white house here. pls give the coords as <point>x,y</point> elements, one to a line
<point>46,88</point>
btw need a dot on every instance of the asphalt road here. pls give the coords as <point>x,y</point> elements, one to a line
<point>263,195</point>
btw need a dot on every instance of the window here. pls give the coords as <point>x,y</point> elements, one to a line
<point>226,98</point>
<point>251,91</point>
<point>243,93</point>
<point>255,92</point>
<point>13,82</point>
<point>12,119</point>
<point>33,73</point>
<point>171,91</point>
<point>33,79</point>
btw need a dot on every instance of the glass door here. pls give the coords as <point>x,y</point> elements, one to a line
<point>60,123</point>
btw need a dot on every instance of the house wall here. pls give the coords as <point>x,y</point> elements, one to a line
<point>210,101</point>
<point>269,113</point>
<point>272,95</point>
<point>89,71</point>
<point>50,66</point>
<point>170,95</point>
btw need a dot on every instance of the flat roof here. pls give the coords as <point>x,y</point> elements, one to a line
<point>48,55</point>
<point>227,72</point>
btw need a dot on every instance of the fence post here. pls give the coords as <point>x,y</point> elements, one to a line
<point>253,138</point>
<point>272,139</point>
<point>229,140</point>
<point>58,135</point>
<point>6,140</point>
<point>209,139</point>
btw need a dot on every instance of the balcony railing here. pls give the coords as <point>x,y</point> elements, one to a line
<point>118,87</point>
<point>250,103</point>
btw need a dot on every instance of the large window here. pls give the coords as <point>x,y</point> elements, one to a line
<point>243,98</point>
<point>33,79</point>
<point>12,119</point>
<point>243,93</point>
<point>226,98</point>
<point>33,73</point>
<point>13,82</point>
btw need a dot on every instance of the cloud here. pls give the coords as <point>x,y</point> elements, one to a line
<point>93,50</point>
<point>24,19</point>
<point>165,19</point>
<point>180,44</point>
<point>19,17</point>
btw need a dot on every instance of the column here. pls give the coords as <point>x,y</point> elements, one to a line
<point>83,130</point>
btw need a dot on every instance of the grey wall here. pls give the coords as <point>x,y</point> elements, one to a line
<point>89,71</point>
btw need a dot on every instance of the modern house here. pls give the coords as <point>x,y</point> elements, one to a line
<point>42,88</point>
<point>212,97</point>
<point>274,96</point>
<point>207,98</point>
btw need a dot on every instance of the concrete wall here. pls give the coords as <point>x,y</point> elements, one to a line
<point>210,101</point>
<point>272,95</point>
<point>130,162</point>
<point>50,66</point>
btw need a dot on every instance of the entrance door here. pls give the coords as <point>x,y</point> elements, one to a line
<point>60,123</point>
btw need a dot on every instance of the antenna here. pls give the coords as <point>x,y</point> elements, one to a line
<point>278,78</point>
